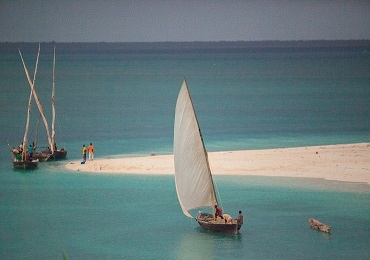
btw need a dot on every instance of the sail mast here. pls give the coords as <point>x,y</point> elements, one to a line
<point>37,101</point>
<point>25,138</point>
<point>52,104</point>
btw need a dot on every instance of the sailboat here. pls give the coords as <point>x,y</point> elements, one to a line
<point>53,153</point>
<point>25,161</point>
<point>193,178</point>
<point>42,157</point>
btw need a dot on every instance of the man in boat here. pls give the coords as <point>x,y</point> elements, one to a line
<point>34,147</point>
<point>218,212</point>
<point>30,152</point>
<point>240,218</point>
<point>15,153</point>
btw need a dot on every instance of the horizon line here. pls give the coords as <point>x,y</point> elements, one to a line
<point>220,41</point>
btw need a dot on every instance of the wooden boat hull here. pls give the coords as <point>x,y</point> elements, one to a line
<point>26,165</point>
<point>224,228</point>
<point>42,157</point>
<point>207,222</point>
<point>57,155</point>
<point>315,224</point>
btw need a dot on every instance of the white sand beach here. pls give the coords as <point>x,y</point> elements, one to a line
<point>344,162</point>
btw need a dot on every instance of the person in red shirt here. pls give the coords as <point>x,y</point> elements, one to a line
<point>218,212</point>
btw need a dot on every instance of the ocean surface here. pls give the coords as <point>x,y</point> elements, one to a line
<point>121,97</point>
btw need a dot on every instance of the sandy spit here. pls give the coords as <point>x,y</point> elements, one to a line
<point>343,162</point>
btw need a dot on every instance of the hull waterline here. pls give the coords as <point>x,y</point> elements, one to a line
<point>207,222</point>
<point>58,155</point>
<point>25,165</point>
<point>42,157</point>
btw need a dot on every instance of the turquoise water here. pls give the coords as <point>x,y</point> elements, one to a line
<point>49,212</point>
<point>124,102</point>
<point>245,99</point>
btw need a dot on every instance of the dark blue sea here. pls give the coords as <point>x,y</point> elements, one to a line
<point>121,97</point>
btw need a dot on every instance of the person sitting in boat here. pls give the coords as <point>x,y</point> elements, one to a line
<point>228,218</point>
<point>19,157</point>
<point>15,152</point>
<point>47,150</point>
<point>218,212</point>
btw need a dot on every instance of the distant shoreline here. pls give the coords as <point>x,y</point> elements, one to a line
<point>344,162</point>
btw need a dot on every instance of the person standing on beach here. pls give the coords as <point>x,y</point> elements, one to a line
<point>91,152</point>
<point>84,152</point>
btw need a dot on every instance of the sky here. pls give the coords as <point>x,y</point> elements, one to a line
<point>187,20</point>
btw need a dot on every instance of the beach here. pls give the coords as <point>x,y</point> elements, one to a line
<point>343,162</point>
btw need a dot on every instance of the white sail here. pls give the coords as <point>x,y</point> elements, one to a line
<point>193,177</point>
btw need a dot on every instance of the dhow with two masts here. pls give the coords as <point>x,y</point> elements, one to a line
<point>53,153</point>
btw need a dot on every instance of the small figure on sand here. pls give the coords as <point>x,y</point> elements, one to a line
<point>84,153</point>
<point>91,152</point>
